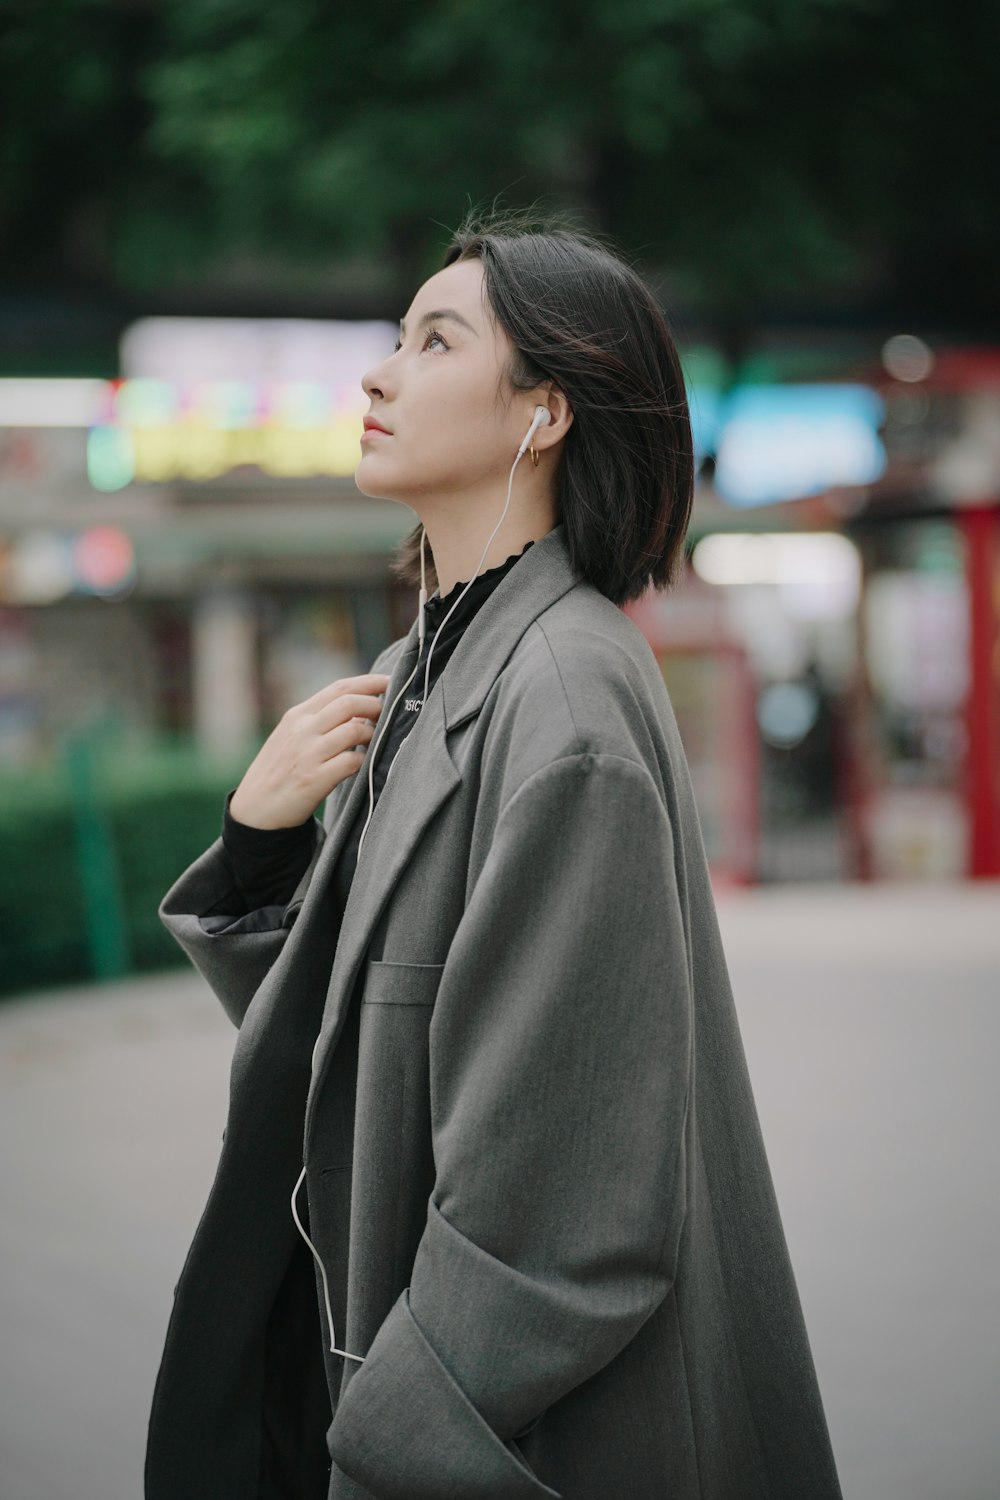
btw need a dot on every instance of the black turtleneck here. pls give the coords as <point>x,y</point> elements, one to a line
<point>267,863</point>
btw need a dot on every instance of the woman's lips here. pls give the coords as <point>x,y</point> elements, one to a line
<point>371,432</point>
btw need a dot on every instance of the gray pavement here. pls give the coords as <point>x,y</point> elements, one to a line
<point>871,1018</point>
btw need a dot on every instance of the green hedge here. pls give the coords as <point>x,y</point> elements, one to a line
<point>91,844</point>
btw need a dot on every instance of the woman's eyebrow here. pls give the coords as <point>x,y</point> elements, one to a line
<point>442,312</point>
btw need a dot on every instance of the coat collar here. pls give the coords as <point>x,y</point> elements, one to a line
<point>424,775</point>
<point>540,576</point>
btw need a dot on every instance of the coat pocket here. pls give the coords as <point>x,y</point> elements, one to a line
<point>394,1156</point>
<point>390,983</point>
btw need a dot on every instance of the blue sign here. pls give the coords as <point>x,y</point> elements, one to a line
<point>783,442</point>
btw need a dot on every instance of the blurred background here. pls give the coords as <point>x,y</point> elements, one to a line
<point>213,214</point>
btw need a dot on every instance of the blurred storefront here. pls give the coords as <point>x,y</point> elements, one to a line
<point>929,536</point>
<point>855,679</point>
<point>183,552</point>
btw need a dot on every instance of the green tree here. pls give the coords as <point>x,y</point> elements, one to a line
<point>807,152</point>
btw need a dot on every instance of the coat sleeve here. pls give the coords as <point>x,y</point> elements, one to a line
<point>232,952</point>
<point>560,1064</point>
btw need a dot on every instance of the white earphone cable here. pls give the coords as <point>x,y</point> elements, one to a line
<point>542,416</point>
<point>322,1271</point>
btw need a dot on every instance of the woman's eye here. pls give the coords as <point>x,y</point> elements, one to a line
<point>432,334</point>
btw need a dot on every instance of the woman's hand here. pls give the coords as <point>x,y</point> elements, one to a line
<point>309,752</point>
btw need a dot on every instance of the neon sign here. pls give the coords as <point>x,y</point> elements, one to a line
<point>153,430</point>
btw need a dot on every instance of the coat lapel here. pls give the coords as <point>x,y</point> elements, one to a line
<point>424,775</point>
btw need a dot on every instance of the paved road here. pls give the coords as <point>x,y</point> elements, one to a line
<point>871,1019</point>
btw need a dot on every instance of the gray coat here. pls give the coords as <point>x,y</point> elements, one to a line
<point>514,1073</point>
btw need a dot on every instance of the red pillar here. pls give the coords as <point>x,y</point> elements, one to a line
<point>980,527</point>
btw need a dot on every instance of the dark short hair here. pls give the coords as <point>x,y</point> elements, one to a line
<point>580,316</point>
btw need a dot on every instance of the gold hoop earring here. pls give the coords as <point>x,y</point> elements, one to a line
<point>534,455</point>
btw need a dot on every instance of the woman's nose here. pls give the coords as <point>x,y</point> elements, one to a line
<point>373,382</point>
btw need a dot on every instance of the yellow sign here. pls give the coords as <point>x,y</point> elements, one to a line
<point>153,432</point>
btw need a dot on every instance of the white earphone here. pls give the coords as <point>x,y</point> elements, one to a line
<point>542,418</point>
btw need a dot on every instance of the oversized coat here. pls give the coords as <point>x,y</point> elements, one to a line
<point>513,1071</point>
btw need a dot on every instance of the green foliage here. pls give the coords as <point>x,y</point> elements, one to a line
<point>756,149</point>
<point>161,812</point>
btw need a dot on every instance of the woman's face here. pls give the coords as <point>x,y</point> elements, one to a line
<point>451,437</point>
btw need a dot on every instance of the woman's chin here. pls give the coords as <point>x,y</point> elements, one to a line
<point>369,485</point>
<point>365,477</point>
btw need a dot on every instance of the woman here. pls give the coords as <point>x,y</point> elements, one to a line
<point>493,1216</point>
